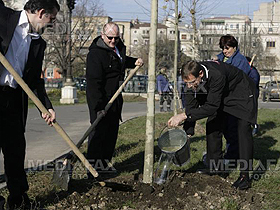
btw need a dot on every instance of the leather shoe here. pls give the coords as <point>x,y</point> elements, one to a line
<point>242,183</point>
<point>209,172</point>
<point>21,202</point>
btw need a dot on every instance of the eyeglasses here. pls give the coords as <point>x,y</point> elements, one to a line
<point>226,48</point>
<point>191,82</point>
<point>113,37</point>
<point>52,19</point>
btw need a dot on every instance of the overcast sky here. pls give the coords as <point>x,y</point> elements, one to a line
<point>126,10</point>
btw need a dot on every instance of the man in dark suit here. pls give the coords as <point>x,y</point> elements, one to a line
<point>106,64</point>
<point>23,47</point>
<point>216,89</point>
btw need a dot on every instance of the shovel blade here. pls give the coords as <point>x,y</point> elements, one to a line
<point>61,175</point>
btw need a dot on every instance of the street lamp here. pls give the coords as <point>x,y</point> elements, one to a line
<point>71,6</point>
<point>69,91</point>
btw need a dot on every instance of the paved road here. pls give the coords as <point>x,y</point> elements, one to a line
<point>45,144</point>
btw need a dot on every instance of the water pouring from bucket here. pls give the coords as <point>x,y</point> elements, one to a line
<point>175,148</point>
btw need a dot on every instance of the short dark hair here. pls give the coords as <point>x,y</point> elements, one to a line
<point>228,40</point>
<point>35,5</point>
<point>191,67</point>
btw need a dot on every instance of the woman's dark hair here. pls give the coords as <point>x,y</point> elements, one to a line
<point>35,5</point>
<point>228,40</point>
<point>191,67</point>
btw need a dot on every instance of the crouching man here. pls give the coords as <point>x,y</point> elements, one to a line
<point>215,89</point>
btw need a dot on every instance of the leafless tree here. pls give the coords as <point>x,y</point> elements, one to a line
<point>13,4</point>
<point>164,54</point>
<point>85,24</point>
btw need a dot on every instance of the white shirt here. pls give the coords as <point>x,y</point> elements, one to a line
<point>18,50</point>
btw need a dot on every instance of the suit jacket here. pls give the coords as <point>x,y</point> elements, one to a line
<point>33,68</point>
<point>105,72</point>
<point>226,89</point>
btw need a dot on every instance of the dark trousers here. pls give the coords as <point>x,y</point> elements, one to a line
<point>102,141</point>
<point>214,132</point>
<point>231,136</point>
<point>12,140</point>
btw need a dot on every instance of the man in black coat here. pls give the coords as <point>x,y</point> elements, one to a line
<point>215,89</point>
<point>23,47</point>
<point>106,64</point>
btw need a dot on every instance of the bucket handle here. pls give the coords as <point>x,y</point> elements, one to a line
<point>166,126</point>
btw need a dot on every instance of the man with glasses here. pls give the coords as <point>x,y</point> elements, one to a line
<point>214,90</point>
<point>106,64</point>
<point>23,47</point>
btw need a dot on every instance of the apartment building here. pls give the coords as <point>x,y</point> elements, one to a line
<point>266,25</point>
<point>211,30</point>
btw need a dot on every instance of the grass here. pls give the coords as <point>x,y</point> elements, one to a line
<point>55,95</point>
<point>131,143</point>
<point>130,151</point>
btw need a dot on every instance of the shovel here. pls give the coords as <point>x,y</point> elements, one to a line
<point>63,169</point>
<point>41,107</point>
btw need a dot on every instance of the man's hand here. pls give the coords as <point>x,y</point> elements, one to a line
<point>139,62</point>
<point>49,119</point>
<point>176,120</point>
<point>101,112</point>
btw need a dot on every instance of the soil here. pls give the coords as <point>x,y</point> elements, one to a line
<point>181,191</point>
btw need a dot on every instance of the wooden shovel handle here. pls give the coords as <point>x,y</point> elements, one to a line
<point>41,107</point>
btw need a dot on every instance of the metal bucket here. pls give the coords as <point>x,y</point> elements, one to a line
<point>175,142</point>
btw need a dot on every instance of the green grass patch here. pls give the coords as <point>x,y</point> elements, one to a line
<point>55,95</point>
<point>136,98</point>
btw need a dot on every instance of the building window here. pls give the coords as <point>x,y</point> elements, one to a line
<point>255,30</point>
<point>135,42</point>
<point>99,30</point>
<point>172,32</point>
<point>49,72</point>
<point>270,44</point>
<point>146,41</point>
<point>270,30</point>
<point>143,31</point>
<point>209,41</point>
<point>237,26</point>
<point>184,36</point>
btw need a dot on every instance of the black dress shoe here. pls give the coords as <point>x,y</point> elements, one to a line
<point>209,172</point>
<point>19,202</point>
<point>242,183</point>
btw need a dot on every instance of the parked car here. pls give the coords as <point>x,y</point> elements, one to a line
<point>137,84</point>
<point>81,83</point>
<point>271,90</point>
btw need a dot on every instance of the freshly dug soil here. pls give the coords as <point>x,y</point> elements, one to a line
<point>181,191</point>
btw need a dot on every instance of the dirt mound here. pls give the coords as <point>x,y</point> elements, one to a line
<point>182,191</point>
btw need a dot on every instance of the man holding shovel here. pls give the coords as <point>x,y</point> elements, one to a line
<point>106,64</point>
<point>23,47</point>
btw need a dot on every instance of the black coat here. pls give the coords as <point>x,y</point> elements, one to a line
<point>104,74</point>
<point>33,68</point>
<point>227,89</point>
